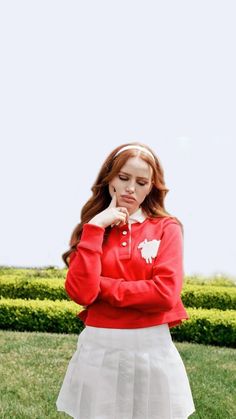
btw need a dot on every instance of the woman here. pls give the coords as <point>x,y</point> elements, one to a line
<point>126,269</point>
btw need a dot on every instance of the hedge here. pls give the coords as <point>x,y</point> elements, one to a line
<point>199,296</point>
<point>40,315</point>
<point>52,289</point>
<point>208,327</point>
<point>207,296</point>
<point>213,327</point>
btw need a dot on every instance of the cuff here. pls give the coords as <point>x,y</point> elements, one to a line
<point>92,237</point>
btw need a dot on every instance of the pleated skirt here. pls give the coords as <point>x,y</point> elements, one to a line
<point>126,374</point>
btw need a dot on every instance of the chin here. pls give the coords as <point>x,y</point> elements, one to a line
<point>125,205</point>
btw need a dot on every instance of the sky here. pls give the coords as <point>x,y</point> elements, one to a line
<point>81,78</point>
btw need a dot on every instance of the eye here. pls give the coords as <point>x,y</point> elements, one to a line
<point>140,183</point>
<point>122,178</point>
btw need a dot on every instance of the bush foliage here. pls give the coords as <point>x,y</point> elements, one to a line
<point>213,326</point>
<point>36,300</point>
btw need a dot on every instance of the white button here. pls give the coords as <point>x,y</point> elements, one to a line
<point>124,243</point>
<point>124,232</point>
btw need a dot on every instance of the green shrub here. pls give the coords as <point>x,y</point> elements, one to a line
<point>52,289</point>
<point>213,327</point>
<point>42,316</point>
<point>26,273</point>
<point>209,327</point>
<point>214,280</point>
<point>200,296</point>
<point>206,296</point>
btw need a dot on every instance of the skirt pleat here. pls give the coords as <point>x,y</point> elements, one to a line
<point>126,374</point>
<point>141,385</point>
<point>105,392</point>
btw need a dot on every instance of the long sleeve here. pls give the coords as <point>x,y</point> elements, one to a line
<point>83,276</point>
<point>161,292</point>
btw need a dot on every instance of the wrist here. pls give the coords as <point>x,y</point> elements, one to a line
<point>96,223</point>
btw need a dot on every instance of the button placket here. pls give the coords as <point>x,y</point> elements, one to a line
<point>125,242</point>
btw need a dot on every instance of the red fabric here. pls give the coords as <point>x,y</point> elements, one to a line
<point>117,285</point>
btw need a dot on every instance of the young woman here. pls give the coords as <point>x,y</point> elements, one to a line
<point>125,267</point>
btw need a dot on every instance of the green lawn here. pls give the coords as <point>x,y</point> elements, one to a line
<point>33,366</point>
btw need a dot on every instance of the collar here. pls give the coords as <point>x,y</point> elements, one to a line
<point>137,216</point>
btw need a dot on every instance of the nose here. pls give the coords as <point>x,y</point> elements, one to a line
<point>130,187</point>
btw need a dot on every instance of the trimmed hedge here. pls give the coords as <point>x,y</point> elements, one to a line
<point>52,289</point>
<point>207,296</point>
<point>213,327</point>
<point>31,273</point>
<point>200,296</point>
<point>208,327</point>
<point>42,316</point>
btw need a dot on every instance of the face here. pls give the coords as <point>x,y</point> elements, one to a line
<point>134,180</point>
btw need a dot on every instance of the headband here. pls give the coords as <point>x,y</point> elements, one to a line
<point>138,147</point>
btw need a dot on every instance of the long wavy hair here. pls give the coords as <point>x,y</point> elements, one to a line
<point>153,204</point>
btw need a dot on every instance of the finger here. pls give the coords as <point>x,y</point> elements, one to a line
<point>113,202</point>
<point>126,212</point>
<point>122,220</point>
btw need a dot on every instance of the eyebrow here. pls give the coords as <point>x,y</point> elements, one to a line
<point>138,177</point>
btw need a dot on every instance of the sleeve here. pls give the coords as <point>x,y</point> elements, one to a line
<point>161,292</point>
<point>82,282</point>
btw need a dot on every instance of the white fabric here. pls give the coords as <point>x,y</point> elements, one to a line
<point>138,147</point>
<point>126,374</point>
<point>139,215</point>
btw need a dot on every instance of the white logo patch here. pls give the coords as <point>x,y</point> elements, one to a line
<point>149,249</point>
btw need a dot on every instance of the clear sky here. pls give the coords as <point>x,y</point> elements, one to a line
<point>80,78</point>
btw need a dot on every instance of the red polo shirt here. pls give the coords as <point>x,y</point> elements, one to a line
<point>132,280</point>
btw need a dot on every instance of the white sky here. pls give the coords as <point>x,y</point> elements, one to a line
<point>80,78</point>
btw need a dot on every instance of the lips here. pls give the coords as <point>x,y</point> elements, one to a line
<point>128,198</point>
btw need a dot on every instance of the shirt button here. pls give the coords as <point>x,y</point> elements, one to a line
<point>124,232</point>
<point>124,243</point>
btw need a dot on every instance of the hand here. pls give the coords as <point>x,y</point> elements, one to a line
<point>112,215</point>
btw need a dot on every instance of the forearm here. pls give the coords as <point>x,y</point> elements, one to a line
<point>159,293</point>
<point>148,295</point>
<point>83,277</point>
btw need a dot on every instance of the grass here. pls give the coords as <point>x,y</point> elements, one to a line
<point>33,366</point>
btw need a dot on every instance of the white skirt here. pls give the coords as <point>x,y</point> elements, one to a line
<point>126,374</point>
